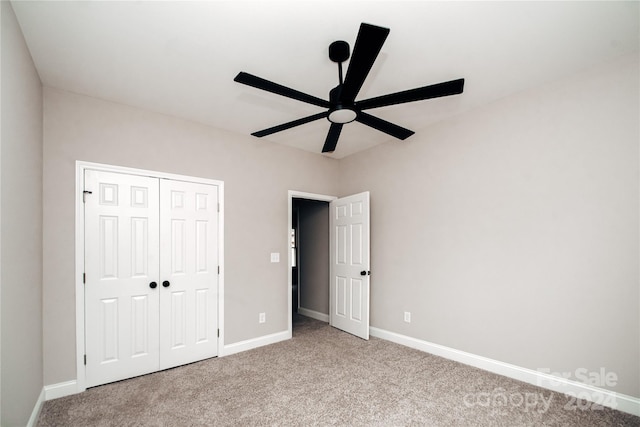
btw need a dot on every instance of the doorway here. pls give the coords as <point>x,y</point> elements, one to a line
<point>349,263</point>
<point>310,258</point>
<point>297,199</point>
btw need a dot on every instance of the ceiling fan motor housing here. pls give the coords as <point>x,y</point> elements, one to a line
<point>340,112</point>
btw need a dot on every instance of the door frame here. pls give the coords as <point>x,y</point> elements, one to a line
<point>292,194</point>
<point>81,166</point>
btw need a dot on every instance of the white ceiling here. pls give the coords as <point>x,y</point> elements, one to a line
<point>180,58</point>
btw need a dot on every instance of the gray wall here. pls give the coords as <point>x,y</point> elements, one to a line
<point>511,231</point>
<point>255,173</point>
<point>313,241</point>
<point>21,227</point>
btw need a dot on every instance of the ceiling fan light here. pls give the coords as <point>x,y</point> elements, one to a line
<point>342,115</point>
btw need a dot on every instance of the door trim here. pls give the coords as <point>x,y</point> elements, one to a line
<point>81,166</point>
<point>296,195</point>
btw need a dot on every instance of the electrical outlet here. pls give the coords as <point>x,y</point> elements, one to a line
<point>262,318</point>
<point>275,256</point>
<point>407,316</point>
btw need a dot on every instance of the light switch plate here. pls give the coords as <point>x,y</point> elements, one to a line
<point>275,256</point>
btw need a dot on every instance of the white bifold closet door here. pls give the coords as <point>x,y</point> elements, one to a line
<point>151,285</point>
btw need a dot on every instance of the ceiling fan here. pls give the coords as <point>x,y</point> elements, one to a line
<point>342,107</point>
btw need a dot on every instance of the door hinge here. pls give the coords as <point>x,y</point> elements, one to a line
<point>85,359</point>
<point>218,207</point>
<point>218,333</point>
<point>84,195</point>
<point>218,269</point>
<point>84,277</point>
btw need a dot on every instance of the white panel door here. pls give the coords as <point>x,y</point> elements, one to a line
<point>349,269</point>
<point>189,272</point>
<point>122,266</point>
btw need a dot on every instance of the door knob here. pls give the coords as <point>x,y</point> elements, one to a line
<point>166,284</point>
<point>365,273</point>
<point>153,285</point>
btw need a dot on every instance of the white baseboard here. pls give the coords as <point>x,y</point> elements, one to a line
<point>593,394</point>
<point>314,314</point>
<point>66,388</point>
<point>254,343</point>
<point>33,419</point>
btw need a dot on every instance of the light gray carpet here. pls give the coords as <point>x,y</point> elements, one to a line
<point>324,377</point>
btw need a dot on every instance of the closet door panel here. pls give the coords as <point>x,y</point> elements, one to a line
<point>189,272</point>
<point>121,260</point>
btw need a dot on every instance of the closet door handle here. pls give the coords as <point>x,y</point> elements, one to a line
<point>153,285</point>
<point>166,284</point>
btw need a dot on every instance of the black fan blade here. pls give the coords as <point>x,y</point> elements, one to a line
<point>453,87</point>
<point>289,125</point>
<point>260,83</point>
<point>368,44</point>
<point>332,138</point>
<point>384,126</point>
